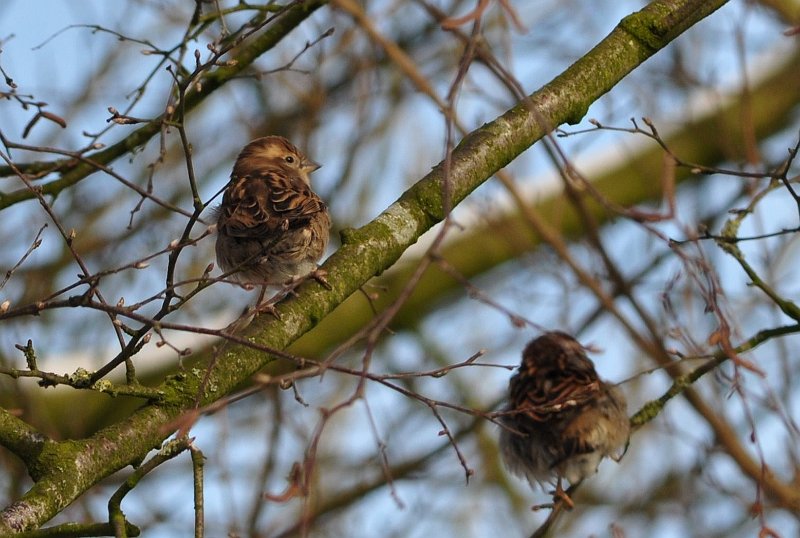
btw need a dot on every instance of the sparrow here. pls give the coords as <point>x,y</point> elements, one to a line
<point>272,229</point>
<point>561,419</point>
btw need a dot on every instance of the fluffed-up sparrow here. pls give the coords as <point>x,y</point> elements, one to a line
<point>561,419</point>
<point>272,229</point>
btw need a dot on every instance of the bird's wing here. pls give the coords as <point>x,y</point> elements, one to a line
<point>292,199</point>
<point>267,203</point>
<point>543,389</point>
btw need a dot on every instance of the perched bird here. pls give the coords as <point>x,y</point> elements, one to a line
<point>561,419</point>
<point>272,229</point>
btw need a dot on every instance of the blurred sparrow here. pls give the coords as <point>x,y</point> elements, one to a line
<point>561,419</point>
<point>271,227</point>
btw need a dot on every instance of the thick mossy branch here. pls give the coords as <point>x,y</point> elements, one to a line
<point>80,530</point>
<point>21,439</point>
<point>72,467</point>
<point>716,137</point>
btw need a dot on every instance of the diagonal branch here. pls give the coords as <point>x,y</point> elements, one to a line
<point>626,185</point>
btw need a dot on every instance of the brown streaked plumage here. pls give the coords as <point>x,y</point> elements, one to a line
<point>271,227</point>
<point>565,419</point>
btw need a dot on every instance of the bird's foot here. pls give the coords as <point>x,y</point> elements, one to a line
<point>561,496</point>
<point>267,307</point>
<point>290,286</point>
<point>319,275</point>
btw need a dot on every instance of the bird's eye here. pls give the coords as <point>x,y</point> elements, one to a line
<point>289,159</point>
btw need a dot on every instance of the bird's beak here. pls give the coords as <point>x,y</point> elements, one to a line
<point>310,165</point>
